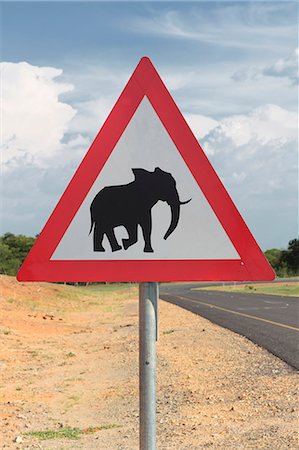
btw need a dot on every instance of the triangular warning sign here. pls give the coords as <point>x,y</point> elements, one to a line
<point>145,204</point>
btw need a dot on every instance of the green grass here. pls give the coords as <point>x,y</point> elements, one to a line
<point>68,432</point>
<point>61,433</point>
<point>76,292</point>
<point>287,289</point>
<point>168,332</point>
<point>295,277</point>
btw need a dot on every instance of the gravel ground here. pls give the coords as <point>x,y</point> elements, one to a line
<point>70,360</point>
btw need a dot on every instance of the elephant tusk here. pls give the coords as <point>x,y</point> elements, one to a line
<point>184,203</point>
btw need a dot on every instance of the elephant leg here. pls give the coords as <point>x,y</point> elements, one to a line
<point>132,239</point>
<point>112,240</point>
<point>146,226</point>
<point>97,239</point>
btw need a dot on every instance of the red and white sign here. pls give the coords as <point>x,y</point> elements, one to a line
<point>145,204</point>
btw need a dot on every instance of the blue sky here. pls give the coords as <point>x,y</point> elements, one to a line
<point>232,68</point>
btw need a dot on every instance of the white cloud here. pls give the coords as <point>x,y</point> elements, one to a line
<point>200,125</point>
<point>38,154</point>
<point>256,157</point>
<point>34,119</point>
<point>262,125</point>
<point>91,115</point>
<point>179,78</point>
<point>209,90</point>
<point>257,151</point>
<point>43,140</point>
<point>285,67</point>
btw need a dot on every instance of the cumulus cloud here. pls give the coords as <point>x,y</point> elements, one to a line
<point>255,156</point>
<point>257,150</point>
<point>200,125</point>
<point>91,115</point>
<point>38,153</point>
<point>34,118</point>
<point>264,124</point>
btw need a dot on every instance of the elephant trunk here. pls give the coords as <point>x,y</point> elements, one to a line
<point>175,215</point>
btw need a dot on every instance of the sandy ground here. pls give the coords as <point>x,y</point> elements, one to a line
<point>70,359</point>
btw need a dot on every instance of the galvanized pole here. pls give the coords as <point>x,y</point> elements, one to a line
<point>148,331</point>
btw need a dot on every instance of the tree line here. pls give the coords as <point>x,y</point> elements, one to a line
<point>285,263</point>
<point>14,249</point>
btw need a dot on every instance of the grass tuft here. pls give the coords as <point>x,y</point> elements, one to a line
<point>68,432</point>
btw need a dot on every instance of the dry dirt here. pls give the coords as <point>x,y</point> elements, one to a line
<point>69,358</point>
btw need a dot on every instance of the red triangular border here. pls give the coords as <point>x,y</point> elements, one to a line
<point>145,81</point>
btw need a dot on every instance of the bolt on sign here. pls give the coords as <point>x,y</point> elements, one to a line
<point>145,204</point>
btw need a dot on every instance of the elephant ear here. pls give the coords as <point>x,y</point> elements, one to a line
<point>140,174</point>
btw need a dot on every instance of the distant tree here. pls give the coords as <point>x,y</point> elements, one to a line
<point>273,255</point>
<point>13,251</point>
<point>290,257</point>
<point>285,262</point>
<point>19,244</point>
<point>9,265</point>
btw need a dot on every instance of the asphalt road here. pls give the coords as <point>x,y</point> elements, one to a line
<point>268,320</point>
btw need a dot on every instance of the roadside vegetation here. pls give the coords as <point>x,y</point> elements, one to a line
<point>285,263</point>
<point>14,249</point>
<point>281,288</point>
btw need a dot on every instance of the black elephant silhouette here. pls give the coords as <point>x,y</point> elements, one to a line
<point>130,205</point>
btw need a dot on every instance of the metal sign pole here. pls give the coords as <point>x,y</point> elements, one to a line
<point>148,299</point>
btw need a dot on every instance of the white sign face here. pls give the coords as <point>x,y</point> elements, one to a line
<point>145,144</point>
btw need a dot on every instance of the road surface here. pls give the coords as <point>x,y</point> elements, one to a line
<point>270,321</point>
